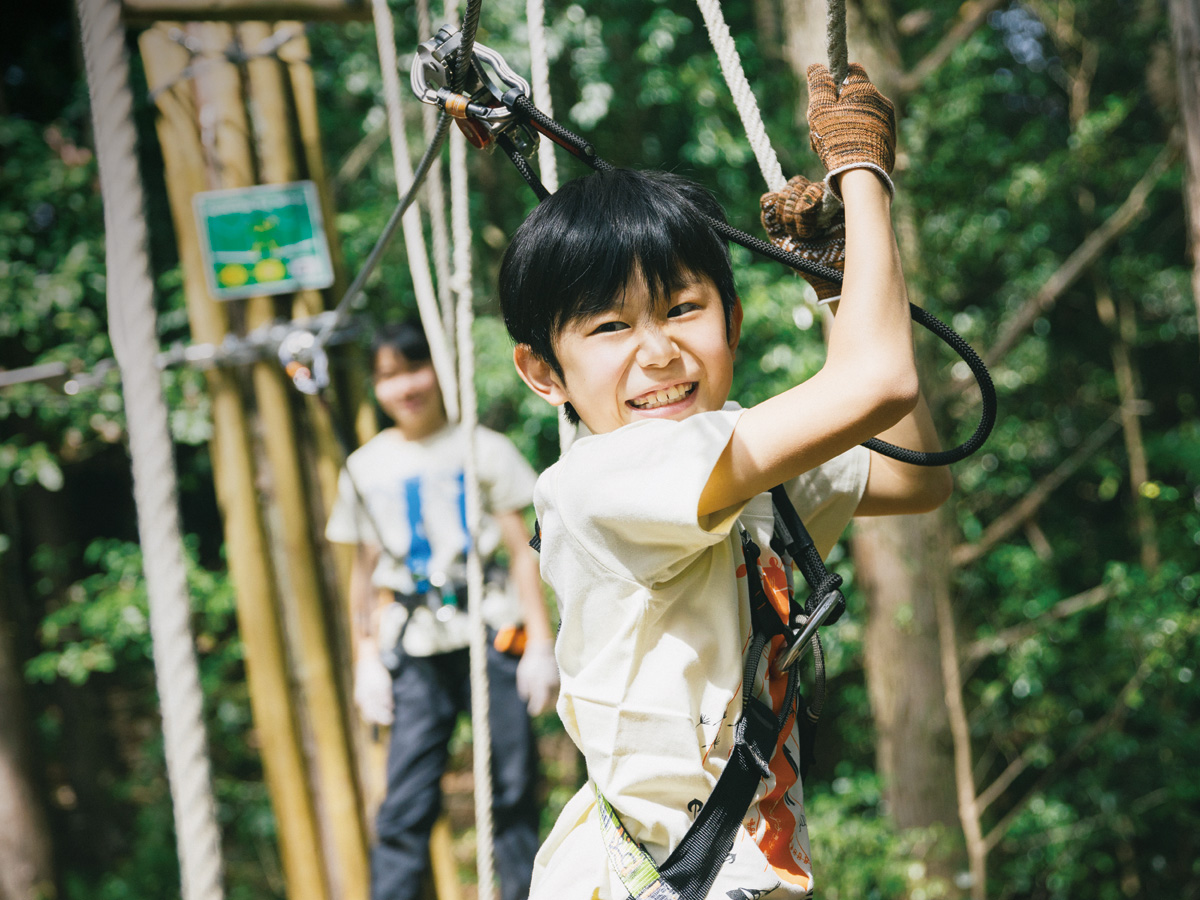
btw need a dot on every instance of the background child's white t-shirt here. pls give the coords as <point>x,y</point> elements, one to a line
<point>410,500</point>
<point>655,621</point>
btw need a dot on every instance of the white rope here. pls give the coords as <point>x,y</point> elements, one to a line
<point>460,217</point>
<point>435,196</point>
<point>743,97</point>
<point>132,326</point>
<point>414,238</point>
<point>539,66</point>
<point>539,69</point>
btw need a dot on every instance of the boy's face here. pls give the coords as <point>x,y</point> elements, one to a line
<point>408,392</point>
<point>642,360</point>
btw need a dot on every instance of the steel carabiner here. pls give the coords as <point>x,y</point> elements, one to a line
<point>481,115</point>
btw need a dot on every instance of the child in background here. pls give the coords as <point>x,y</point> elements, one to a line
<point>620,298</point>
<point>401,503</point>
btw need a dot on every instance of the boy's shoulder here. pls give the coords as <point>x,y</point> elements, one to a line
<point>644,472</point>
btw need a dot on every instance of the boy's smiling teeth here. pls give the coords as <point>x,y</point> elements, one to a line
<point>655,399</point>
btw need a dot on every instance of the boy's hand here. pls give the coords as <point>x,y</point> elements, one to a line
<point>804,218</point>
<point>537,676</point>
<point>854,130</point>
<point>373,690</point>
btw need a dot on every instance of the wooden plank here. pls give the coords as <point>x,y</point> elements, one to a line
<point>145,12</point>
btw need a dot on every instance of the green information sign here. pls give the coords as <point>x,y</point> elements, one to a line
<point>260,240</point>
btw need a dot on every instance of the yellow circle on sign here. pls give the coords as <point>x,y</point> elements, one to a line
<point>234,275</point>
<point>269,270</point>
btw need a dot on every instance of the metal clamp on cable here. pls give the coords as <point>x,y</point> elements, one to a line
<point>827,611</point>
<point>481,115</point>
<point>309,377</point>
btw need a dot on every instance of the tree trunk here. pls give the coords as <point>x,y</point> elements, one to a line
<point>902,568</point>
<point>26,865</point>
<point>902,561</point>
<point>1185,34</point>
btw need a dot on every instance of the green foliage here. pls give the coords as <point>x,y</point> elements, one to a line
<point>1000,179</point>
<point>106,620</point>
<point>858,852</point>
<point>103,632</point>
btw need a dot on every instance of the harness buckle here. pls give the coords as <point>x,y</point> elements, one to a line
<point>482,115</point>
<point>827,611</point>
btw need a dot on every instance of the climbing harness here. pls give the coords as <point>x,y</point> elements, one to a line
<point>691,868</point>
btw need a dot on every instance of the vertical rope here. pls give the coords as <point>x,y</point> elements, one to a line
<point>835,40</point>
<point>743,97</point>
<point>435,196</point>
<point>539,66</point>
<point>132,325</point>
<point>460,217</point>
<point>414,238</point>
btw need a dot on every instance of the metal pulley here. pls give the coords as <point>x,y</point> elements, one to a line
<point>481,114</point>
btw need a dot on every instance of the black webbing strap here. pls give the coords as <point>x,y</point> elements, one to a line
<point>688,873</point>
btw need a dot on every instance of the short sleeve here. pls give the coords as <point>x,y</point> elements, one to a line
<point>826,497</point>
<point>630,496</point>
<point>344,525</point>
<point>506,476</point>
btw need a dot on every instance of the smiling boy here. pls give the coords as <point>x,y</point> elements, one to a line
<point>621,300</point>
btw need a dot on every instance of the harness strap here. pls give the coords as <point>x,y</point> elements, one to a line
<point>688,873</point>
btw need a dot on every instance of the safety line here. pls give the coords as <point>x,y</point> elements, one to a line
<point>132,328</point>
<point>743,96</point>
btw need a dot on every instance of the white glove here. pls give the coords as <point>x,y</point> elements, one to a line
<point>537,676</point>
<point>373,690</point>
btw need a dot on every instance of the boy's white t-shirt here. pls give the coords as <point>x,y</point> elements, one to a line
<point>409,497</point>
<point>655,618</point>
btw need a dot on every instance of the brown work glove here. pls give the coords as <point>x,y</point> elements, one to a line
<point>855,130</point>
<point>803,218</point>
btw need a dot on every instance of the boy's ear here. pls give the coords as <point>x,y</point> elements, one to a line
<point>735,324</point>
<point>539,375</point>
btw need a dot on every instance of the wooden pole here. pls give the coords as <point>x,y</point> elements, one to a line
<point>350,386</point>
<point>315,659</point>
<point>233,466</point>
<point>296,53</point>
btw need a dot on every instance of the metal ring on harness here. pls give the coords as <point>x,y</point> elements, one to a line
<point>311,377</point>
<point>829,604</point>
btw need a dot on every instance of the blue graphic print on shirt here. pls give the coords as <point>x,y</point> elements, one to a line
<point>419,551</point>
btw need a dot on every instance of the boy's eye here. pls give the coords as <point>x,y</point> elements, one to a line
<point>609,327</point>
<point>681,308</point>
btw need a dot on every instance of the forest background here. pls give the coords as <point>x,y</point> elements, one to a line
<point>1013,691</point>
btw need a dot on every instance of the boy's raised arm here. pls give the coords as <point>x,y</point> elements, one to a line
<point>869,381</point>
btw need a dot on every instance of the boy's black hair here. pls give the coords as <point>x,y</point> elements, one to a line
<point>577,251</point>
<point>406,338</point>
